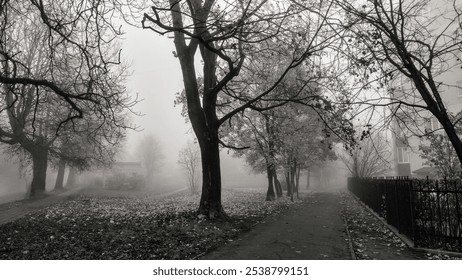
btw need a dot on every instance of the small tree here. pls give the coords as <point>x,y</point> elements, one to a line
<point>150,155</point>
<point>189,159</point>
<point>440,154</point>
<point>371,157</point>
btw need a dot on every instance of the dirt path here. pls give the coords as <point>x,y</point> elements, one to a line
<point>313,231</point>
<point>14,210</point>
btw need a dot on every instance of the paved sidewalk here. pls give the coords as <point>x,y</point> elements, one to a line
<point>313,231</point>
<point>14,210</point>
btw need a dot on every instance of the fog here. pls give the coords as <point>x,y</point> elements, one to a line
<point>156,77</point>
<point>11,184</point>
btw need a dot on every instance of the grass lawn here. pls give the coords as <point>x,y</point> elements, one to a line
<point>133,226</point>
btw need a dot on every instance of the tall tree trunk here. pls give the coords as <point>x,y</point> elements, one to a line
<point>431,96</point>
<point>270,195</point>
<point>71,178</point>
<point>308,173</point>
<point>297,178</point>
<point>193,181</point>
<point>191,185</point>
<point>210,203</point>
<point>292,182</point>
<point>287,175</point>
<point>39,171</point>
<point>277,184</point>
<point>59,185</point>
<point>270,162</point>
<point>203,115</point>
<point>452,135</point>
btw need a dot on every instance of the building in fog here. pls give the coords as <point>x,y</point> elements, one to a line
<point>409,129</point>
<point>407,156</point>
<point>123,175</point>
<point>412,124</point>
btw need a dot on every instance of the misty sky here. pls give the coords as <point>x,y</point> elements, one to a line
<point>156,78</point>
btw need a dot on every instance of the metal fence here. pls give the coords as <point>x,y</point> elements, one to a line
<point>426,211</point>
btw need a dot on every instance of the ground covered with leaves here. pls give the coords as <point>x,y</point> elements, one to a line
<point>132,226</point>
<point>371,239</point>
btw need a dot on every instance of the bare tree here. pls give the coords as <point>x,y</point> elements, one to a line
<point>189,159</point>
<point>408,50</point>
<point>150,154</point>
<point>225,34</point>
<point>370,158</point>
<point>82,147</point>
<point>60,70</point>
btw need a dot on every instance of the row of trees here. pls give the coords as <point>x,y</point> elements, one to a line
<point>262,41</point>
<point>398,48</point>
<point>62,94</point>
<point>255,56</point>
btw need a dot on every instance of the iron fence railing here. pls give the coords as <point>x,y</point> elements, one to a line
<point>426,211</point>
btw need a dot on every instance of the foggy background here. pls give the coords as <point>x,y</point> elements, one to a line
<point>156,78</point>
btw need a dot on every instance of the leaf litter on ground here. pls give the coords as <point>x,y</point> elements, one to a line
<point>138,226</point>
<point>371,239</point>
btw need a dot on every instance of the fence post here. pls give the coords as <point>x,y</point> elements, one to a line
<point>411,208</point>
<point>440,224</point>
<point>397,205</point>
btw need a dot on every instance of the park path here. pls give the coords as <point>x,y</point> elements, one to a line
<point>313,231</point>
<point>12,211</point>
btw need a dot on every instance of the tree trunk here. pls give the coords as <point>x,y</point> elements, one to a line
<point>289,189</point>
<point>71,178</point>
<point>453,137</point>
<point>270,195</point>
<point>191,185</point>
<point>210,203</point>
<point>297,178</point>
<point>277,184</point>
<point>60,177</point>
<point>193,181</point>
<point>39,172</point>
<point>433,100</point>
<point>292,182</point>
<point>308,173</point>
<point>203,115</point>
<point>270,169</point>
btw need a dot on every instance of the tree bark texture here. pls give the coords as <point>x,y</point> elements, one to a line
<point>59,185</point>
<point>210,203</point>
<point>292,182</point>
<point>297,168</point>
<point>308,173</point>
<point>277,184</point>
<point>39,172</point>
<point>71,178</point>
<point>270,195</point>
